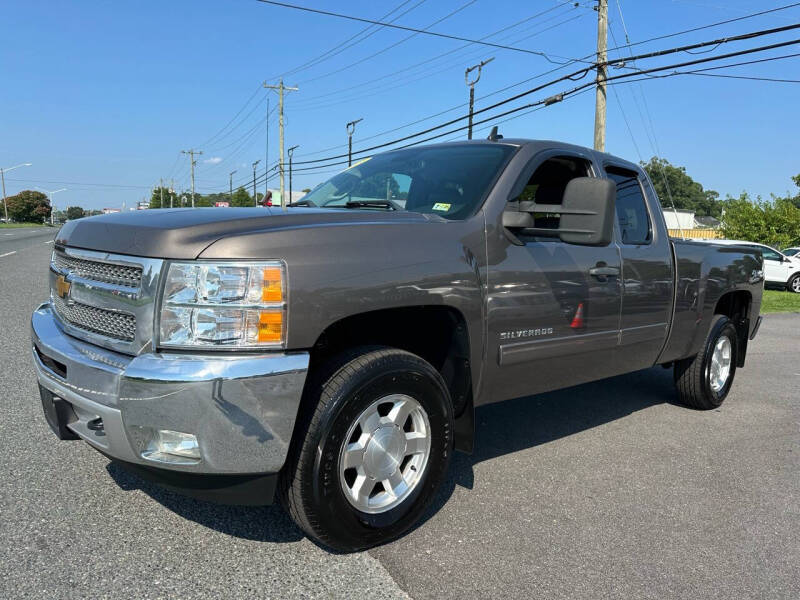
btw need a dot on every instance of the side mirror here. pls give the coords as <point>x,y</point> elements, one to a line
<point>586,213</point>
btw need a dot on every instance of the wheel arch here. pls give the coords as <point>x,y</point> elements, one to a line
<point>437,333</point>
<point>736,305</point>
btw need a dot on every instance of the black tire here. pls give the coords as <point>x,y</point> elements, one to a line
<point>692,374</point>
<point>310,487</point>
<point>793,285</point>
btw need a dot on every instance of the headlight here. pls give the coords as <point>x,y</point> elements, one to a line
<point>229,304</point>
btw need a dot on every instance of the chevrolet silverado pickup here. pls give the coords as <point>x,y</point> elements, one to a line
<point>331,353</point>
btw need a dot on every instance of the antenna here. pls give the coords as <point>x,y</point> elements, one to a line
<point>493,135</point>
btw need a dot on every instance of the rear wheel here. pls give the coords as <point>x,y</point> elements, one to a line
<point>375,443</point>
<point>794,284</point>
<point>703,381</point>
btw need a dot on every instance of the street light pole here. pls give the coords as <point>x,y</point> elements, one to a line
<point>231,185</point>
<point>3,177</point>
<point>471,85</point>
<point>50,199</point>
<point>351,128</point>
<point>291,151</point>
<point>255,195</point>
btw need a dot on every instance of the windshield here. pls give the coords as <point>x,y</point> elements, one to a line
<point>449,181</point>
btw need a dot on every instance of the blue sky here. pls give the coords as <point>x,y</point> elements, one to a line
<point>101,96</point>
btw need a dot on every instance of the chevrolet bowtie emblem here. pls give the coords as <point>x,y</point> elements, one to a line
<point>62,287</point>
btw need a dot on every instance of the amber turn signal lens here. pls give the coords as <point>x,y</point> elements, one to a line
<point>272,289</point>
<point>270,326</point>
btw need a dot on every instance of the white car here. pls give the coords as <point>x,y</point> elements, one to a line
<point>779,269</point>
<point>792,252</point>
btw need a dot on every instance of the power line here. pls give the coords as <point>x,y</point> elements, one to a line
<point>345,45</point>
<point>390,46</point>
<point>250,99</point>
<point>412,29</point>
<point>393,74</point>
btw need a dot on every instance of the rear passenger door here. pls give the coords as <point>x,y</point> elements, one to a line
<point>647,276</point>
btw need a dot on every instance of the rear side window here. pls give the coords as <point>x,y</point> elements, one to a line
<point>632,215</point>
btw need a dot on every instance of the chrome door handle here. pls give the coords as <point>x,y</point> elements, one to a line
<point>604,271</point>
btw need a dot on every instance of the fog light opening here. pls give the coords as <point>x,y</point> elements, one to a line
<point>173,447</point>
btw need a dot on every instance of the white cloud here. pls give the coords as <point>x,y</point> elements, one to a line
<point>213,161</point>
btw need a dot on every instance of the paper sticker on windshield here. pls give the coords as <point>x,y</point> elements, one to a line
<point>441,206</point>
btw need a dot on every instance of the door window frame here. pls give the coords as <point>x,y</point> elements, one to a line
<point>536,161</point>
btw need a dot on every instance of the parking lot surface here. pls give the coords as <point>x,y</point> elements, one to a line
<point>605,490</point>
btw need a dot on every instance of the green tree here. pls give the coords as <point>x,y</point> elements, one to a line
<point>28,206</point>
<point>75,212</point>
<point>774,222</point>
<point>155,197</point>
<point>241,198</point>
<point>686,193</point>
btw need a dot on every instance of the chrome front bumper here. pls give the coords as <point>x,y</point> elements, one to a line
<point>242,409</point>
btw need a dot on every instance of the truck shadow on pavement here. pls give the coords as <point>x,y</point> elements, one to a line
<point>501,429</point>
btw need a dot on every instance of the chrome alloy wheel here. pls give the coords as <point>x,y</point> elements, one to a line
<point>720,368</point>
<point>795,285</point>
<point>385,453</point>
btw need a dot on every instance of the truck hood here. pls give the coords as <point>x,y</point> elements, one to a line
<point>183,233</point>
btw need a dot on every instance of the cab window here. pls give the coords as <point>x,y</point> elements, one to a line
<point>632,215</point>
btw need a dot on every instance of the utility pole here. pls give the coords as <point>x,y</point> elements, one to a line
<point>266,153</point>
<point>161,187</point>
<point>600,95</point>
<point>171,191</point>
<point>281,89</point>
<point>255,195</point>
<point>191,153</point>
<point>471,85</point>
<point>230,175</point>
<point>351,127</point>
<point>3,177</point>
<point>290,151</point>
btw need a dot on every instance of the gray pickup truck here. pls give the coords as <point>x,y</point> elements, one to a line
<point>331,353</point>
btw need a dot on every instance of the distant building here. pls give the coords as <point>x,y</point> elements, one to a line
<point>108,211</point>
<point>679,219</point>
<point>683,223</point>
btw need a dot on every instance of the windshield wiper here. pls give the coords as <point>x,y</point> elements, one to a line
<point>370,204</point>
<point>301,203</point>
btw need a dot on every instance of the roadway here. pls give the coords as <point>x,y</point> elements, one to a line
<point>15,239</point>
<point>605,490</point>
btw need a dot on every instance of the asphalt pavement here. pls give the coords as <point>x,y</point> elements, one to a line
<point>606,490</point>
<point>15,239</point>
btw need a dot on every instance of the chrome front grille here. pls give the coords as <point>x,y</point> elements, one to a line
<point>106,299</point>
<point>93,270</point>
<point>117,325</point>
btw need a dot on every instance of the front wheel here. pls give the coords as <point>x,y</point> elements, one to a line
<point>703,381</point>
<point>794,284</point>
<point>375,443</point>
